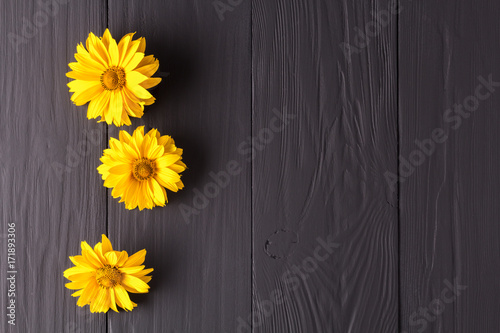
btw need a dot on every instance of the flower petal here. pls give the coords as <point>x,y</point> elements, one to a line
<point>135,283</point>
<point>89,293</point>
<point>123,298</point>
<point>131,269</point>
<point>106,244</point>
<point>134,78</point>
<point>136,259</point>
<point>151,82</point>
<point>139,91</point>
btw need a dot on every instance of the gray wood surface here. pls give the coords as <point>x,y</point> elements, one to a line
<point>450,202</point>
<point>202,277</point>
<point>49,185</point>
<point>317,119</point>
<point>322,176</point>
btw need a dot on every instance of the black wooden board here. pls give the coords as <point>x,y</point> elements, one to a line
<point>318,107</point>
<point>449,199</point>
<point>321,179</point>
<point>202,262</point>
<point>50,189</point>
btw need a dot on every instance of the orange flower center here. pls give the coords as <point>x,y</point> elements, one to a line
<point>143,169</point>
<point>113,78</point>
<point>108,277</point>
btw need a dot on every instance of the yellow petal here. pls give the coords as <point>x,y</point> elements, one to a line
<point>166,183</point>
<point>106,244</point>
<point>112,258</point>
<point>135,78</point>
<point>89,254</point>
<point>151,82</point>
<point>129,53</point>
<point>125,137</point>
<point>134,61</point>
<point>77,284</point>
<point>121,187</point>
<point>97,50</point>
<point>81,85</point>
<point>147,60</point>
<point>158,193</point>
<point>166,160</point>
<point>97,105</point>
<point>141,198</point>
<point>89,63</point>
<point>82,276</point>
<point>146,279</point>
<point>142,45</point>
<point>133,106</point>
<point>155,151</point>
<point>83,96</point>
<point>121,169</point>
<point>113,52</point>
<point>113,180</point>
<point>178,167</point>
<point>139,91</point>
<point>143,272</point>
<point>84,76</point>
<point>148,70</point>
<point>136,259</point>
<point>101,301</point>
<point>89,293</point>
<point>122,296</point>
<point>131,195</point>
<point>106,38</point>
<point>131,269</point>
<point>116,106</point>
<point>123,46</point>
<point>122,258</point>
<point>135,283</point>
<point>138,135</point>
<point>98,251</point>
<point>149,101</point>
<point>80,261</point>
<point>112,300</point>
<point>77,270</point>
<point>77,293</point>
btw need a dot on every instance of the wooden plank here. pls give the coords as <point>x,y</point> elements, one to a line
<point>321,178</point>
<point>49,186</point>
<point>449,199</point>
<point>202,278</point>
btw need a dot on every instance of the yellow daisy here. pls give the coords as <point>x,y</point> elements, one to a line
<point>113,77</point>
<point>139,167</point>
<point>103,277</point>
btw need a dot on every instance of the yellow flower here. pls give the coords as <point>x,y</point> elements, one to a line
<point>113,77</point>
<point>103,277</point>
<point>139,167</point>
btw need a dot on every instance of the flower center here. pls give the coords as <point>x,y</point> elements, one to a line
<point>113,78</point>
<point>143,169</point>
<point>108,277</point>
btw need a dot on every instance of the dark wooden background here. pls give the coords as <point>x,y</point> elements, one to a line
<point>230,67</point>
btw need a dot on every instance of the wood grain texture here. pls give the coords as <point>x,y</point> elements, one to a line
<point>322,175</point>
<point>311,235</point>
<point>449,203</point>
<point>49,185</point>
<point>202,279</point>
